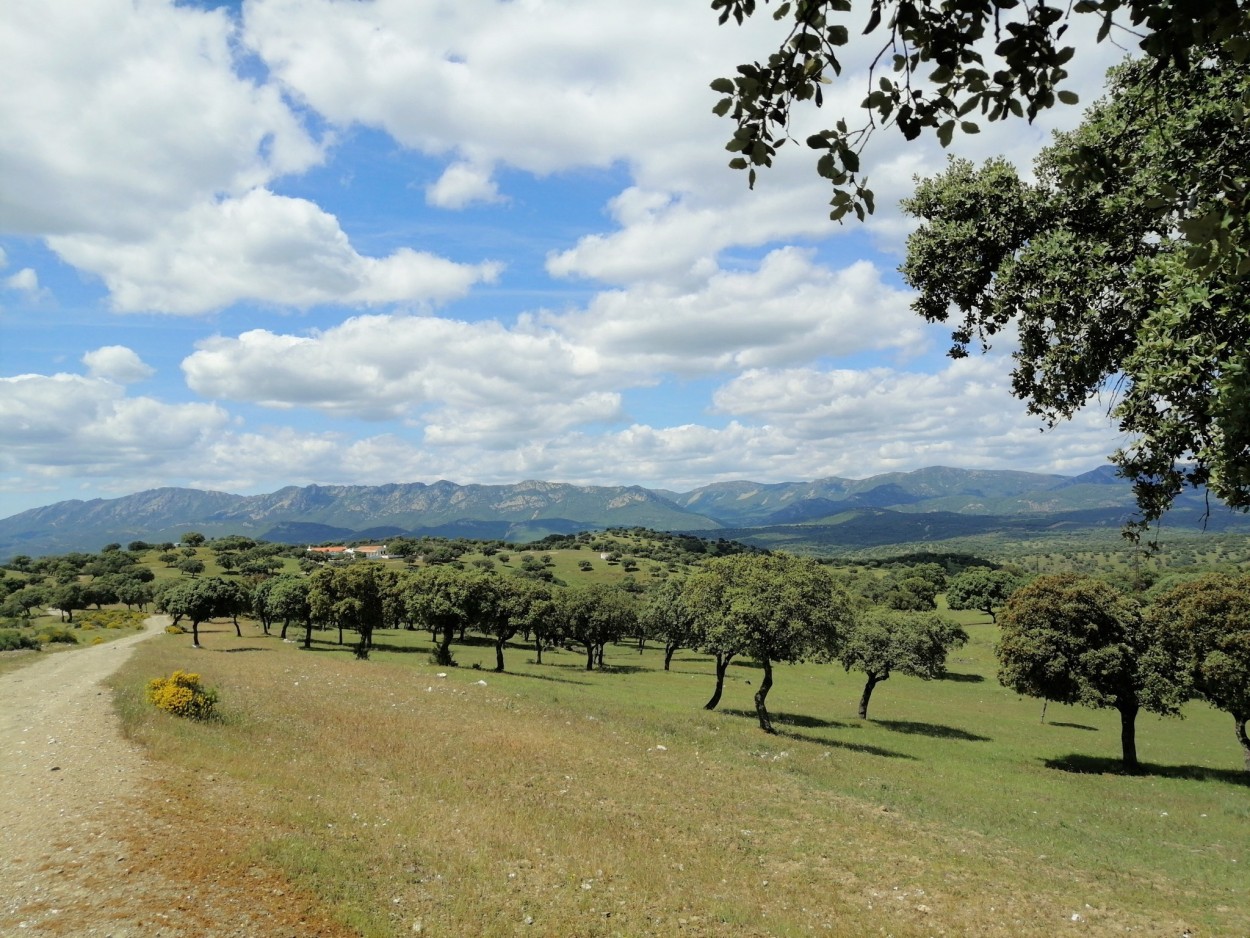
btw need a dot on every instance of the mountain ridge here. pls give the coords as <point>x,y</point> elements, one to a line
<point>533,508</point>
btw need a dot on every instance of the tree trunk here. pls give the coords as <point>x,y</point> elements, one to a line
<point>1240,721</point>
<point>308,633</point>
<point>340,631</point>
<point>642,643</point>
<point>442,656</point>
<point>237,631</point>
<point>285,624</point>
<point>722,665</point>
<point>590,656</point>
<point>538,650</point>
<point>599,654</point>
<point>499,654</point>
<point>761,695</point>
<point>669,649</point>
<point>1128,734</point>
<point>869,686</point>
<point>195,633</point>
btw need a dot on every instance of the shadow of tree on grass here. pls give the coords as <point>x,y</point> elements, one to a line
<point>539,677</point>
<point>867,748</point>
<point>962,678</point>
<point>1100,765</point>
<point>1073,726</point>
<point>936,730</point>
<point>788,719</point>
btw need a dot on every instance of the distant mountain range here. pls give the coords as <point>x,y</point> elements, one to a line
<point>925,505</point>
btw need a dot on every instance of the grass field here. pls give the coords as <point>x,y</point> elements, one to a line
<point>552,801</point>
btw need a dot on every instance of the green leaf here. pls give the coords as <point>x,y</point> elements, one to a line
<point>723,85</point>
<point>1069,97</point>
<point>969,127</point>
<point>945,132</point>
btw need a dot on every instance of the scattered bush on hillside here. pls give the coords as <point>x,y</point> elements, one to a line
<point>57,634</point>
<point>111,619</point>
<point>182,695</point>
<point>17,639</point>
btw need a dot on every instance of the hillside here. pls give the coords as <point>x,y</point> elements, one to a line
<point>829,514</point>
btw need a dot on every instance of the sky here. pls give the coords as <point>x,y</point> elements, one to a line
<point>282,242</point>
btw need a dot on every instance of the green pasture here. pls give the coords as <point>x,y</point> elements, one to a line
<point>553,801</point>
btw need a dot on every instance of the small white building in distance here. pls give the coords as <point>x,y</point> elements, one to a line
<point>367,551</point>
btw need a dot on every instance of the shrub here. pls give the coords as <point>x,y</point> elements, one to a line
<point>182,695</point>
<point>111,619</point>
<point>59,634</point>
<point>175,630</point>
<point>15,639</point>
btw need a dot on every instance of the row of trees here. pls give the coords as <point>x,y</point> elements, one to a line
<point>771,608</point>
<point>1068,638</point>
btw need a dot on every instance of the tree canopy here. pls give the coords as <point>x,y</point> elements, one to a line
<point>1077,640</point>
<point>981,588</point>
<point>1205,625</point>
<point>934,68</point>
<point>1137,237</point>
<point>1106,297</point>
<point>770,607</point>
<point>884,641</point>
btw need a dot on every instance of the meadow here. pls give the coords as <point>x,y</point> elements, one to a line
<point>553,801</point>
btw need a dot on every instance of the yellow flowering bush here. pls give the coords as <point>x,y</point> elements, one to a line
<point>182,695</point>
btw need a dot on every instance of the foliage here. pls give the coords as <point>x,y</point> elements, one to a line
<point>444,600</point>
<point>57,635</point>
<point>885,641</point>
<point>1078,640</point>
<point>199,600</point>
<point>18,639</point>
<point>770,607</point>
<point>182,695</point>
<point>933,69</point>
<point>1096,274</point>
<point>983,589</point>
<point>1205,625</point>
<point>906,588</point>
<point>665,615</point>
<point>593,616</point>
<point>111,619</point>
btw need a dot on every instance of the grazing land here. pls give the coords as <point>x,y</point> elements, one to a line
<point>550,800</point>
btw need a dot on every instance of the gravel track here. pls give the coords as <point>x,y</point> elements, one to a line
<point>91,842</point>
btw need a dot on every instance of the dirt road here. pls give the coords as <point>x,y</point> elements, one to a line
<point>90,842</point>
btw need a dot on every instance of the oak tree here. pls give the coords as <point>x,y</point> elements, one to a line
<point>1075,639</point>
<point>771,608</point>
<point>885,641</point>
<point>1205,625</point>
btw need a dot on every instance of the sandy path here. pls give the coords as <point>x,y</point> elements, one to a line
<point>85,847</point>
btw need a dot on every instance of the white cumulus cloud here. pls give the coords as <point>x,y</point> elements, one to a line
<point>116,363</point>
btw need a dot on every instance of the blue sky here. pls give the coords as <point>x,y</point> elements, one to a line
<point>362,241</point>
